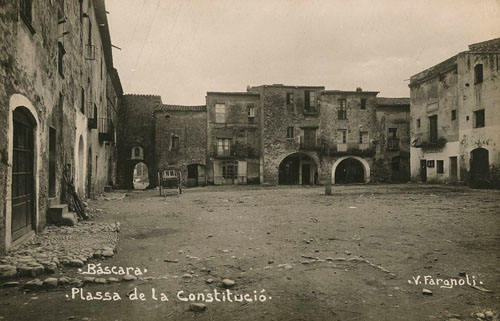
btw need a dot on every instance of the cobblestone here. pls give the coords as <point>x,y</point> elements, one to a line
<point>57,246</point>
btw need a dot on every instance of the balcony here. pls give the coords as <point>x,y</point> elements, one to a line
<point>106,130</point>
<point>308,145</point>
<point>426,141</point>
<point>393,144</point>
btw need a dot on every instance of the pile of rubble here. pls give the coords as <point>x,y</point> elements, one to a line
<point>61,246</point>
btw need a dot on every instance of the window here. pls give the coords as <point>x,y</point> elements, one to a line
<point>342,136</point>
<point>453,114</point>
<point>363,137</point>
<point>89,39</point>
<point>363,104</point>
<point>224,147</point>
<point>220,113</point>
<point>137,152</point>
<point>310,101</point>
<point>309,138</point>
<point>478,74</point>
<point>60,56</point>
<point>81,11</point>
<point>26,14</point>
<point>82,100</point>
<point>433,129</point>
<point>289,98</point>
<point>392,139</point>
<point>251,111</point>
<point>479,118</point>
<point>418,123</point>
<point>393,133</point>
<point>175,143</point>
<point>440,167</point>
<point>342,112</point>
<point>289,132</point>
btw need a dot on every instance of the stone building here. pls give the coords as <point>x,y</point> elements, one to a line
<point>455,126</point>
<point>233,146</point>
<point>180,141</point>
<point>58,109</point>
<point>270,134</point>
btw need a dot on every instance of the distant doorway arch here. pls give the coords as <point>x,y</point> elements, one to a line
<point>350,169</point>
<point>298,169</point>
<point>141,176</point>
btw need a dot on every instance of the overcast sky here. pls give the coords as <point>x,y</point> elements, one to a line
<point>180,49</point>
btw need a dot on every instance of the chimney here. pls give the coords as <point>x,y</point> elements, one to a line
<point>359,89</point>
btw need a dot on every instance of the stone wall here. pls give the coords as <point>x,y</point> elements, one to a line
<point>188,124</point>
<point>136,130</point>
<point>242,130</point>
<point>31,78</point>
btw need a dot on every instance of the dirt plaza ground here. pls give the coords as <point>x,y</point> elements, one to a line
<point>299,255</point>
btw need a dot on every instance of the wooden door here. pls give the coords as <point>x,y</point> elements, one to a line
<point>306,174</point>
<point>22,175</point>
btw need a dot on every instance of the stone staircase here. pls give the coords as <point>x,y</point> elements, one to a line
<point>59,215</point>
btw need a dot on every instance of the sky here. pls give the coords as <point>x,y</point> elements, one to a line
<point>181,49</point>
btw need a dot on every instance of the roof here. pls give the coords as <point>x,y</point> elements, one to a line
<point>384,101</point>
<point>348,92</point>
<point>289,86</point>
<point>233,93</point>
<point>489,46</point>
<point>180,108</point>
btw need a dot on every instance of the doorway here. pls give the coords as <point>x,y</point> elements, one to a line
<point>423,170</point>
<point>22,174</point>
<point>141,176</point>
<point>479,166</point>
<point>453,168</point>
<point>306,174</point>
<point>89,174</point>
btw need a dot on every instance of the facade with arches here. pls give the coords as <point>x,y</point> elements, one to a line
<point>455,128</point>
<point>57,111</point>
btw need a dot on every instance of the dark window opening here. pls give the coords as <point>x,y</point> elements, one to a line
<point>478,74</point>
<point>137,152</point>
<point>418,123</point>
<point>440,166</point>
<point>363,104</point>
<point>26,13</point>
<point>310,101</point>
<point>81,11</point>
<point>89,40</point>
<point>175,143</point>
<point>251,112</point>
<point>453,115</point>
<point>289,98</point>
<point>52,162</point>
<point>82,101</point>
<point>342,112</point>
<point>60,56</point>
<point>433,129</point>
<point>479,118</point>
<point>289,132</point>
<point>393,133</point>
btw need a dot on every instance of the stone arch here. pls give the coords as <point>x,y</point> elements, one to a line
<point>364,164</point>
<point>141,175</point>
<point>299,168</point>
<point>20,101</point>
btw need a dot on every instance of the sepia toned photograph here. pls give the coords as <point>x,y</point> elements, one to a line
<point>239,160</point>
